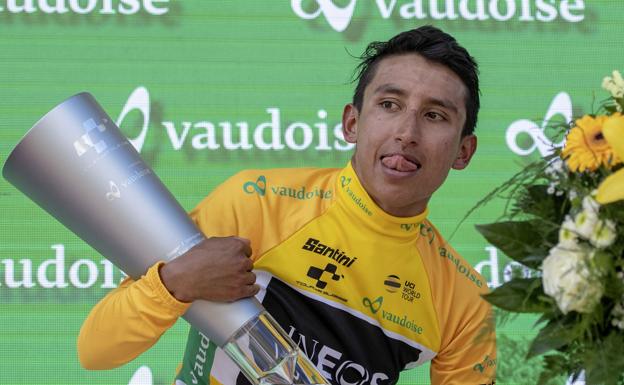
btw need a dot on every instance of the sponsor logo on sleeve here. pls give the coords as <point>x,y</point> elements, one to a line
<point>486,363</point>
<point>461,268</point>
<point>261,187</point>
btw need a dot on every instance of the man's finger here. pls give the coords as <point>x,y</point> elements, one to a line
<point>246,245</point>
<point>250,278</point>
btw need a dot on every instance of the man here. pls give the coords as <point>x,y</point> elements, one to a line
<point>344,259</point>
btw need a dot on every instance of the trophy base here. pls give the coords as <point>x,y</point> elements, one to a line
<point>267,355</point>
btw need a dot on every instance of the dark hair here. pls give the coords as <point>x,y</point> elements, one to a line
<point>434,45</point>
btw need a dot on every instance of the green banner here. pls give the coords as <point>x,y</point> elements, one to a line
<point>207,88</point>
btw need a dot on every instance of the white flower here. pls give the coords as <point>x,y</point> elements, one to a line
<point>590,204</point>
<point>567,235</point>
<point>555,168</point>
<point>615,84</point>
<point>572,194</point>
<point>603,235</point>
<point>584,223</point>
<point>567,278</point>
<point>618,314</point>
<point>551,188</point>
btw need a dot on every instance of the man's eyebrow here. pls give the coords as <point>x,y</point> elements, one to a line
<point>390,88</point>
<point>444,103</point>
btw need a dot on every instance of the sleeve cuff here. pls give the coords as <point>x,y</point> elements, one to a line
<point>162,294</point>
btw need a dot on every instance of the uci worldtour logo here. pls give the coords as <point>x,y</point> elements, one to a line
<point>339,17</point>
<point>529,130</point>
<point>269,135</point>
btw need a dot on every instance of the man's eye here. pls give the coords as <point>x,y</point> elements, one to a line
<point>388,105</point>
<point>435,116</point>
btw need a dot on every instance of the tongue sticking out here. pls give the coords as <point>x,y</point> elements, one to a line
<point>399,163</point>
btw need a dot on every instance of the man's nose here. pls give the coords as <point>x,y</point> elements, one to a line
<point>408,132</point>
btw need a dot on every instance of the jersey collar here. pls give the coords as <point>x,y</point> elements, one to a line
<point>354,198</point>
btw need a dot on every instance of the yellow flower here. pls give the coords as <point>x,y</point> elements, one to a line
<point>586,147</point>
<point>612,188</point>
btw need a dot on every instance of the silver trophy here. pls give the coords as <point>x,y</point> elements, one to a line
<point>77,165</point>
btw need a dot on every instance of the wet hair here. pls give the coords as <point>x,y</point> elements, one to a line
<point>434,45</point>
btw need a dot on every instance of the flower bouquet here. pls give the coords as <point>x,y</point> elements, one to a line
<point>564,221</point>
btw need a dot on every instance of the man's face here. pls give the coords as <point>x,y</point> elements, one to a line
<point>408,132</point>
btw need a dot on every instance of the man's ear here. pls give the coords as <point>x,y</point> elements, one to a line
<point>350,116</point>
<point>467,148</point>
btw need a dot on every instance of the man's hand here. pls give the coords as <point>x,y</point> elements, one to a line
<point>218,269</point>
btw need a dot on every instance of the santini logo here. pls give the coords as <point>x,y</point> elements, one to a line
<point>315,246</point>
<point>478,10</point>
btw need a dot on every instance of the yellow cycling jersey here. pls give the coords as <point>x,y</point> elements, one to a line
<point>364,294</point>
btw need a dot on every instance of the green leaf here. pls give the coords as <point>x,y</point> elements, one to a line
<point>519,295</point>
<point>554,335</point>
<point>519,240</point>
<point>602,261</point>
<point>554,365</point>
<point>538,202</point>
<point>604,362</point>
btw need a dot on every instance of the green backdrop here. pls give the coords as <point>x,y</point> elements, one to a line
<point>196,82</point>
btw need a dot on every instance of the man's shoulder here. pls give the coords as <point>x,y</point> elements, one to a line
<point>446,260</point>
<point>287,173</point>
<point>304,183</point>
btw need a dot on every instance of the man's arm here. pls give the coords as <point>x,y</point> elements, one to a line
<point>131,318</point>
<point>469,357</point>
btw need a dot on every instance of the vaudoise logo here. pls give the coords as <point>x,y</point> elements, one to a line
<point>271,134</point>
<point>339,14</point>
<point>526,129</point>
